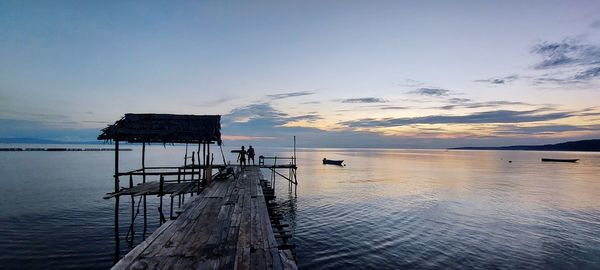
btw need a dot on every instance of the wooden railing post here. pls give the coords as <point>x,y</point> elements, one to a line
<point>160,193</point>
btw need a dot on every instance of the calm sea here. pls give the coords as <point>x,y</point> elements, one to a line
<point>386,209</point>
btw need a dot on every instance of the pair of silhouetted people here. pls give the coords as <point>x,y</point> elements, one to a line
<point>242,156</point>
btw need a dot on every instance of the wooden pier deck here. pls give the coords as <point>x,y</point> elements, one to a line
<point>226,226</point>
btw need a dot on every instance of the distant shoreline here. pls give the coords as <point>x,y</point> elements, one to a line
<point>59,149</point>
<point>574,146</point>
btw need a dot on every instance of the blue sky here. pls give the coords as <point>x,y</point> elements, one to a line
<point>334,73</point>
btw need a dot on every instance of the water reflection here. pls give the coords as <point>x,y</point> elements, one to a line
<point>392,209</point>
<point>387,209</point>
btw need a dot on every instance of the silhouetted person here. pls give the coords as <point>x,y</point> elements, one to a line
<point>242,158</point>
<point>250,154</point>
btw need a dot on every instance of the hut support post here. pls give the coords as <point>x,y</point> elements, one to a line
<point>203,161</point>
<point>117,240</point>
<point>207,164</point>
<point>132,209</point>
<point>179,181</point>
<point>144,181</point>
<point>202,170</point>
<point>185,167</point>
<point>199,168</point>
<point>192,175</point>
<point>171,210</point>
<point>160,193</point>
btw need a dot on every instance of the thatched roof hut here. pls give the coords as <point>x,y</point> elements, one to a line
<point>165,128</point>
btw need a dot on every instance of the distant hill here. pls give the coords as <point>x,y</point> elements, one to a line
<point>40,141</point>
<point>583,146</point>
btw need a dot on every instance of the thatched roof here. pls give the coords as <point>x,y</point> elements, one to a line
<point>165,128</point>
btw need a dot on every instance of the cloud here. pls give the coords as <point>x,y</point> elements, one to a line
<point>570,62</point>
<point>290,95</point>
<point>553,80</point>
<point>262,117</point>
<point>468,104</point>
<point>593,111</point>
<point>32,116</point>
<point>393,108</point>
<point>364,100</point>
<point>431,92</point>
<point>501,80</point>
<point>459,100</point>
<point>497,116</point>
<point>97,122</point>
<point>311,117</point>
<point>588,73</point>
<point>245,138</point>
<point>543,129</point>
<point>377,107</point>
<point>565,53</point>
<point>257,111</point>
<point>595,24</point>
<point>411,83</point>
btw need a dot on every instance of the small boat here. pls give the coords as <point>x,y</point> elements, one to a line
<point>332,162</point>
<point>559,160</point>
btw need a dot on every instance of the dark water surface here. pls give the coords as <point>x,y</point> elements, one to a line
<point>387,209</point>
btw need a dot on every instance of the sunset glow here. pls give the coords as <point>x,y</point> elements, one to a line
<point>313,69</point>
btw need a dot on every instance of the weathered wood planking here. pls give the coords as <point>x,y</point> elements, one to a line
<point>227,226</point>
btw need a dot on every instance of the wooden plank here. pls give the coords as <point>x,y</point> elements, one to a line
<point>179,226</point>
<point>126,261</point>
<point>242,258</point>
<point>257,251</point>
<point>288,260</point>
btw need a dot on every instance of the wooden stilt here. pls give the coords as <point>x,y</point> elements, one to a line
<point>208,164</point>
<point>144,181</point>
<point>171,210</point>
<point>193,165</point>
<point>184,168</point>
<point>117,238</point>
<point>131,226</point>
<point>201,174</point>
<point>160,194</point>
<point>179,181</point>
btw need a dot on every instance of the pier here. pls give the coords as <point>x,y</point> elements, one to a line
<point>226,226</point>
<point>219,216</point>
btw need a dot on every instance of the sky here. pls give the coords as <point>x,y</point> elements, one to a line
<point>406,74</point>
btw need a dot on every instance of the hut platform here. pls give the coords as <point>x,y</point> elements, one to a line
<point>226,226</point>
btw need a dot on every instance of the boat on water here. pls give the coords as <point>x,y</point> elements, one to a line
<point>559,160</point>
<point>332,162</point>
